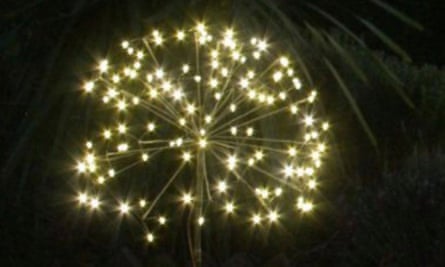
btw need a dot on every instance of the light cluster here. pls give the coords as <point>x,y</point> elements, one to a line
<point>210,118</point>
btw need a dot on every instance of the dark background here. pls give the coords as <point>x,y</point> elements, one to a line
<point>382,205</point>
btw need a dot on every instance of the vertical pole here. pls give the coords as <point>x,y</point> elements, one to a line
<point>199,187</point>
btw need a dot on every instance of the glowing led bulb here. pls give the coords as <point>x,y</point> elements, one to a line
<point>309,120</point>
<point>82,198</point>
<point>151,126</point>
<point>180,35</point>
<point>222,187</point>
<point>88,86</point>
<point>288,171</point>
<point>297,83</point>
<point>249,131</point>
<point>150,237</point>
<point>259,155</point>
<point>159,73</point>
<point>121,105</point>
<point>142,203</point>
<point>208,119</point>
<point>185,68</point>
<point>325,126</point>
<point>292,151</point>
<point>284,61</point>
<point>187,198</point>
<point>233,130</point>
<point>122,128</point>
<point>103,66</point>
<point>94,203</point>
<point>202,143</point>
<point>256,219</point>
<point>101,180</point>
<point>229,207</point>
<point>273,216</point>
<point>306,207</point>
<point>231,162</point>
<point>213,83</point>
<point>186,156</point>
<point>262,45</point>
<point>162,220</point>
<point>277,76</point>
<point>124,208</point>
<point>201,220</point>
<point>81,167</point>
<point>144,157</point>
<point>191,109</point>
<point>125,44</point>
<point>232,107</point>
<point>312,184</point>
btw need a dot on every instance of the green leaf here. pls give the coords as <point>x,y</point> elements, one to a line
<point>385,39</point>
<point>399,14</point>
<point>358,113</point>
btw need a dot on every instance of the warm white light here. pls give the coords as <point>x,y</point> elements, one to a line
<point>101,180</point>
<point>151,126</point>
<point>231,162</point>
<point>222,186</point>
<point>88,86</point>
<point>180,35</point>
<point>144,157</point>
<point>125,44</point>
<point>82,198</point>
<point>288,171</point>
<point>94,203</point>
<point>103,66</point>
<point>203,143</point>
<point>122,128</point>
<point>229,207</point>
<point>187,198</point>
<point>201,220</point>
<point>249,131</point>
<point>284,61</point>
<point>162,220</point>
<point>312,184</point>
<point>309,120</point>
<point>256,219</point>
<point>124,208</point>
<point>186,156</point>
<point>185,68</point>
<point>233,130</point>
<point>150,237</point>
<point>273,216</point>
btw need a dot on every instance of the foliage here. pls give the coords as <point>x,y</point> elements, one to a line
<point>372,219</point>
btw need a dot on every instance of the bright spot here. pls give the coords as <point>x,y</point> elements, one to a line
<point>88,86</point>
<point>94,203</point>
<point>82,198</point>
<point>186,156</point>
<point>124,208</point>
<point>187,198</point>
<point>162,220</point>
<point>150,237</point>
<point>222,186</point>
<point>229,207</point>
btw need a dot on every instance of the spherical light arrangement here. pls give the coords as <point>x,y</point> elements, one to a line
<point>229,111</point>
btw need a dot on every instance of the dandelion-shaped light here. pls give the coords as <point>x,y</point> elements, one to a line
<point>207,119</point>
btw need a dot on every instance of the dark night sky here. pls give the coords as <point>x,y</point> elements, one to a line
<point>20,209</point>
